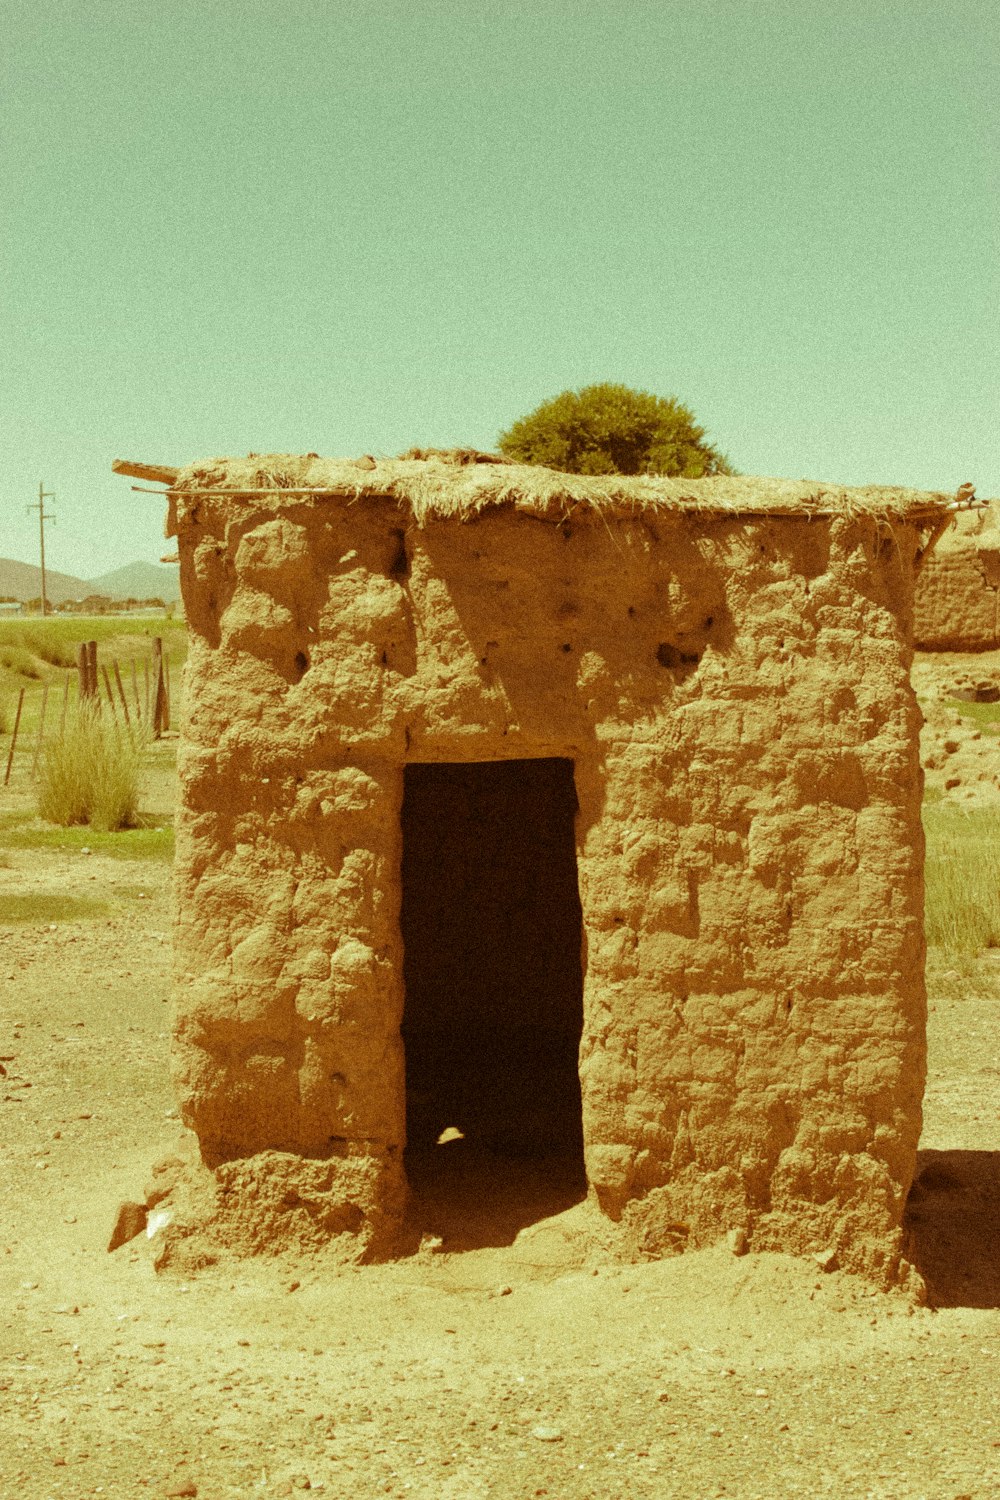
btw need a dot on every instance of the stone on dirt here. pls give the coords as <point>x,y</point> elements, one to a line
<point>130,1221</point>
<point>163,1179</point>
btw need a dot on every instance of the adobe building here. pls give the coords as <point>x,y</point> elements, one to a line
<point>579,817</point>
<point>957,604</point>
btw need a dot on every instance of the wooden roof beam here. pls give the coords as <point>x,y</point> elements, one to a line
<point>160,473</point>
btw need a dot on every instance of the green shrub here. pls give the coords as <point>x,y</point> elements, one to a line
<point>962,874</point>
<point>90,773</point>
<point>611,429</point>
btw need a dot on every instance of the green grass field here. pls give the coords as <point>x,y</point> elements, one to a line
<point>36,653</point>
<point>22,830</point>
<point>90,627</point>
<point>985,716</point>
<point>38,909</point>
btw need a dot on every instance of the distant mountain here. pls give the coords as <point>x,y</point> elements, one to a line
<point>20,580</point>
<point>138,580</point>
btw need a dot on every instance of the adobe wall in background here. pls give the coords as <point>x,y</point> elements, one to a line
<point>957,599</point>
<point>735,696</point>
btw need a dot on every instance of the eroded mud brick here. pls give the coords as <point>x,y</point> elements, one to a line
<point>534,814</point>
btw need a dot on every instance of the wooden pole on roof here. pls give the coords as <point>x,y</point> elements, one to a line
<point>157,473</point>
<point>931,543</point>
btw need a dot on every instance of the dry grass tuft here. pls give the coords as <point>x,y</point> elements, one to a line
<point>20,661</point>
<point>462,483</point>
<point>49,645</point>
<point>91,774</point>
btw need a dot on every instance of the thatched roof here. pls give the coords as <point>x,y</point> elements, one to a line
<point>461,483</point>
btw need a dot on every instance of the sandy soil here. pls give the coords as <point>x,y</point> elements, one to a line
<point>531,1368</point>
<point>959,758</point>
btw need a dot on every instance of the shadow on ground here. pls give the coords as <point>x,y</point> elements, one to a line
<point>953,1217</point>
<point>472,1198</point>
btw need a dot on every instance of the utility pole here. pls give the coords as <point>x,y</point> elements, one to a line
<point>43,516</point>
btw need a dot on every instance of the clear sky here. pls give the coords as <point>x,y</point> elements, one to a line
<point>354,225</point>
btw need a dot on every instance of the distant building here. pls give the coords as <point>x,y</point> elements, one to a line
<point>957,602</point>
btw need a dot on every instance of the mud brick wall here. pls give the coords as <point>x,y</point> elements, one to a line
<point>734,694</point>
<point>957,602</point>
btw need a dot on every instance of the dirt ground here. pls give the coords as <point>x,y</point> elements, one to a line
<point>536,1367</point>
<point>961,757</point>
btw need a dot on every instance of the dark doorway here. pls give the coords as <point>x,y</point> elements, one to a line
<point>491,926</point>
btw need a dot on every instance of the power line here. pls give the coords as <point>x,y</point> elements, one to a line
<point>43,516</point>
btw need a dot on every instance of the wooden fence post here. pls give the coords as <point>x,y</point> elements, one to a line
<point>41,729</point>
<point>121,692</point>
<point>166,692</point>
<point>92,691</point>
<point>13,738</point>
<point>83,668</point>
<point>159,687</point>
<point>111,696</point>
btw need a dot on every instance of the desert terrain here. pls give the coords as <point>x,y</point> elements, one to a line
<point>531,1364</point>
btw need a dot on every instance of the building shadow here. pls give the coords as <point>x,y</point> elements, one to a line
<point>953,1222</point>
<point>471,1198</point>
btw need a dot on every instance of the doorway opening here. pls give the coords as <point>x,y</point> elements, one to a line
<point>492,930</point>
